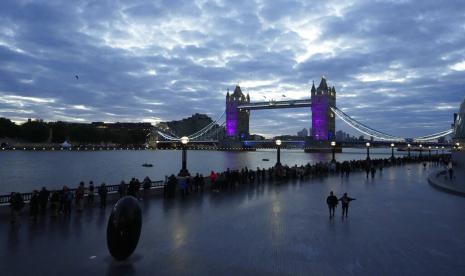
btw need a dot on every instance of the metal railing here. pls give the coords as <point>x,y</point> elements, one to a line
<point>111,189</point>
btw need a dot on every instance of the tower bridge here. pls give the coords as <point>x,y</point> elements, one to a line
<point>323,97</point>
<point>322,109</point>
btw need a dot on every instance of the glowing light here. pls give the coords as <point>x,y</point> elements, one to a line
<point>367,144</point>
<point>278,142</point>
<point>184,140</point>
<point>333,143</point>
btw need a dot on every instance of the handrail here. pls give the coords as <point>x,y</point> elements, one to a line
<point>5,199</point>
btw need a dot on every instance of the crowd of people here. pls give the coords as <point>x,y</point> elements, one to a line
<point>60,202</point>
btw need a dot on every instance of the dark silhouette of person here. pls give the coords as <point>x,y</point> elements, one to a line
<point>34,204</point>
<point>102,192</point>
<point>332,202</point>
<point>43,199</point>
<point>345,204</point>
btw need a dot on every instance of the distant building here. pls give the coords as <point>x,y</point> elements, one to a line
<point>190,125</point>
<point>256,137</point>
<point>303,133</point>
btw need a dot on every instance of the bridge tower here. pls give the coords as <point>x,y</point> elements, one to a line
<point>237,121</point>
<point>323,119</point>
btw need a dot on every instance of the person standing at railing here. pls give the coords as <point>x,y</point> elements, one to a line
<point>43,199</point>
<point>54,203</point>
<point>34,205</point>
<point>102,191</point>
<point>67,200</point>
<point>146,184</point>
<point>90,194</point>
<point>122,189</point>
<point>16,204</point>
<point>79,197</point>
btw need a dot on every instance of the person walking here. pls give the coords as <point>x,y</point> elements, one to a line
<point>332,202</point>
<point>345,200</point>
<point>102,192</point>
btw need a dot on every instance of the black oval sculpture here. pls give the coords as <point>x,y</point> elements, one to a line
<point>123,230</point>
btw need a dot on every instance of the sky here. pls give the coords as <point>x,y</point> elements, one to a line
<point>397,66</point>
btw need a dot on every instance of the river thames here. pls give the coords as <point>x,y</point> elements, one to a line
<point>23,171</point>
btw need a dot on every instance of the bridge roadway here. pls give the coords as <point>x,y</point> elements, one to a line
<point>276,104</point>
<point>399,225</point>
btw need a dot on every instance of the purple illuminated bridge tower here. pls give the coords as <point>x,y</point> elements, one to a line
<point>238,108</point>
<point>237,120</point>
<point>323,119</point>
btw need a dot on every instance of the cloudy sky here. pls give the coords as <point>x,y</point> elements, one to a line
<point>398,66</point>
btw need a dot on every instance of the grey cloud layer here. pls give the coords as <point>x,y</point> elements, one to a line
<point>160,60</point>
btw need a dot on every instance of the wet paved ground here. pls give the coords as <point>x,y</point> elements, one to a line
<point>399,225</point>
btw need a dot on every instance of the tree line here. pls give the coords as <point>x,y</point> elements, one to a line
<point>58,132</point>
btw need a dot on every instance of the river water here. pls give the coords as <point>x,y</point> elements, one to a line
<point>23,171</point>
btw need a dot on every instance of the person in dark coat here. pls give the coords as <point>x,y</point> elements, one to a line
<point>332,202</point>
<point>43,199</point>
<point>345,200</point>
<point>16,204</point>
<point>34,205</point>
<point>102,192</point>
<point>54,203</point>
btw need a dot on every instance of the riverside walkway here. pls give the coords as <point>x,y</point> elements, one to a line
<point>399,225</point>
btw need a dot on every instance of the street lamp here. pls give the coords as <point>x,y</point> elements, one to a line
<point>392,150</point>
<point>184,171</point>
<point>368,150</point>
<point>408,148</point>
<point>278,152</point>
<point>421,149</point>
<point>429,151</point>
<point>437,150</point>
<point>442,150</point>
<point>333,146</point>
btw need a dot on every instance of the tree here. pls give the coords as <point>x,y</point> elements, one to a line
<point>34,131</point>
<point>8,128</point>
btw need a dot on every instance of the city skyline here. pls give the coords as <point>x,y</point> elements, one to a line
<point>396,65</point>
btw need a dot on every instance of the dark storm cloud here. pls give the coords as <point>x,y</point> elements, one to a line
<point>397,65</point>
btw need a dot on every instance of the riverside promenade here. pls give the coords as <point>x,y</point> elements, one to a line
<point>398,225</point>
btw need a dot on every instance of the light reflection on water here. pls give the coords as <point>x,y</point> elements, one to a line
<point>24,171</point>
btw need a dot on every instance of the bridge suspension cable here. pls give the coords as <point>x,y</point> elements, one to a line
<point>433,136</point>
<point>206,128</point>
<point>364,128</point>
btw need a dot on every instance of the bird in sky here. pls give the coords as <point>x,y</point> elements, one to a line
<point>77,77</point>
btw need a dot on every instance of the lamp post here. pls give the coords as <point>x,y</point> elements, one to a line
<point>392,150</point>
<point>437,150</point>
<point>421,149</point>
<point>333,147</point>
<point>429,151</point>
<point>408,148</point>
<point>368,150</point>
<point>442,150</point>
<point>278,153</point>
<point>184,171</point>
